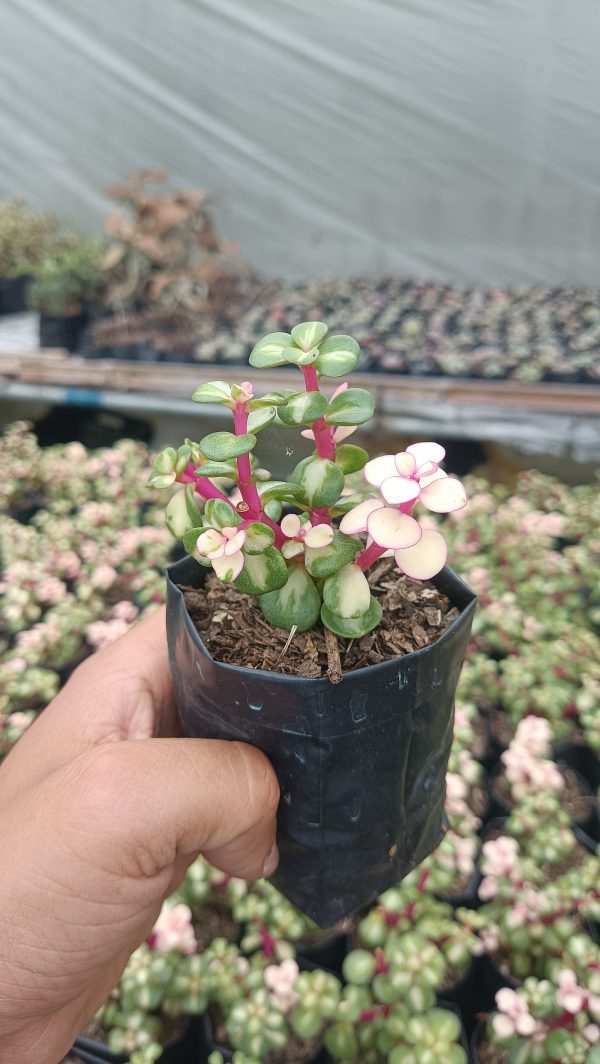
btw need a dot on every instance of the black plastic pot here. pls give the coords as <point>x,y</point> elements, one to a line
<point>13,294</point>
<point>463,994</point>
<point>330,953</point>
<point>361,764</point>
<point>181,1050</point>
<point>477,1038</point>
<point>580,758</point>
<point>61,330</point>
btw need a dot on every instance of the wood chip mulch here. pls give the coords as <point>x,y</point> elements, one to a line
<point>234,630</point>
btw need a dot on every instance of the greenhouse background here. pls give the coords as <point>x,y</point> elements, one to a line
<point>445,143</point>
<point>403,197</point>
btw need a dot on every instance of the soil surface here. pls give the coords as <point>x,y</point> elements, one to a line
<point>461,886</point>
<point>478,799</point>
<point>213,922</point>
<point>501,728</point>
<point>489,1054</point>
<point>234,630</point>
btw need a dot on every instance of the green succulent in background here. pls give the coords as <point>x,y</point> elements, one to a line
<point>25,235</point>
<point>67,277</point>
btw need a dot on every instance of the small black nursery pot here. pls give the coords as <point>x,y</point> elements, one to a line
<point>61,330</point>
<point>13,294</point>
<point>361,764</point>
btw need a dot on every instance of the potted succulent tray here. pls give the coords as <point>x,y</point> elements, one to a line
<point>315,618</point>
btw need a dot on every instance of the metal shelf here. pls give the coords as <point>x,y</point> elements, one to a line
<point>552,418</point>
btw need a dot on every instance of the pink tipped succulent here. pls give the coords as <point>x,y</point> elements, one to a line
<point>174,930</point>
<point>513,1015</point>
<point>279,980</point>
<point>223,550</point>
<point>404,479</point>
<point>303,534</point>
<point>414,475</point>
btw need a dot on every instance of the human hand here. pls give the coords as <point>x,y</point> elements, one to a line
<point>102,811</point>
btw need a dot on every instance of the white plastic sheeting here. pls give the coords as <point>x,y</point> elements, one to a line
<point>440,139</point>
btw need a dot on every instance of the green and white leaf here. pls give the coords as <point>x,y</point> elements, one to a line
<point>277,398</point>
<point>324,561</point>
<point>163,468</point>
<point>351,458</point>
<point>347,592</point>
<point>273,509</point>
<point>260,475</point>
<point>262,573</point>
<point>219,514</point>
<point>218,469</point>
<point>298,603</point>
<point>321,480</point>
<point>296,357</point>
<point>221,446</point>
<point>284,490</point>
<point>190,538</point>
<point>303,408</point>
<point>268,351</point>
<point>309,334</point>
<point>352,407</point>
<point>338,355</point>
<point>182,511</point>
<point>213,392</point>
<point>258,537</point>
<point>352,627</point>
<point>258,419</point>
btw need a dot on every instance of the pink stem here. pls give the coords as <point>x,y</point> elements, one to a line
<point>247,487</point>
<point>202,485</point>
<point>369,555</point>
<point>320,516</point>
<point>323,433</point>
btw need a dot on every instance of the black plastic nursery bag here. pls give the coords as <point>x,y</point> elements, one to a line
<point>361,764</point>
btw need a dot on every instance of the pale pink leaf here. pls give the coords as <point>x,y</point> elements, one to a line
<point>308,434</point>
<point>290,525</point>
<point>356,520</point>
<point>425,559</point>
<point>228,568</point>
<point>235,542</point>
<point>428,478</point>
<point>426,452</point>
<point>405,464</point>
<point>342,432</point>
<point>211,543</point>
<point>379,469</point>
<point>397,490</point>
<point>319,536</point>
<point>338,391</point>
<point>443,496</point>
<point>389,528</point>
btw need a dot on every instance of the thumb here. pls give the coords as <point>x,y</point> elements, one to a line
<point>181,797</point>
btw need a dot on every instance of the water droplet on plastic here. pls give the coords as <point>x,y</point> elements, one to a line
<point>355,811</point>
<point>300,755</point>
<point>255,706</point>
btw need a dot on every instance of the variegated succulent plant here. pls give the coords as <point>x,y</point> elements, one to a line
<point>304,545</point>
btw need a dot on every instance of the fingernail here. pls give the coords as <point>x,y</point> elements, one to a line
<point>271,861</point>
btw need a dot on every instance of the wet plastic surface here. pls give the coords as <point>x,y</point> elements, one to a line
<point>361,764</point>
